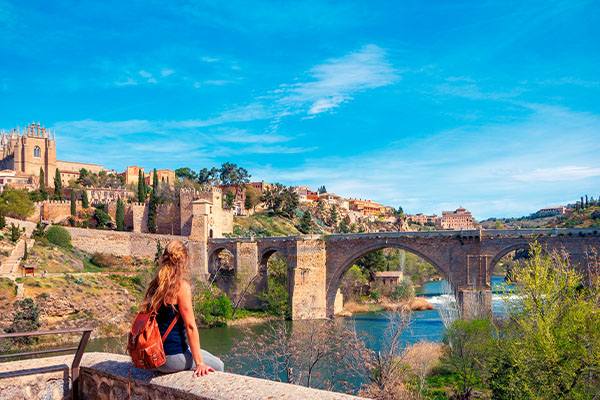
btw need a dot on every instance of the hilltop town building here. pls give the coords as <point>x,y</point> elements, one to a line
<point>366,207</point>
<point>16,180</point>
<point>305,195</point>
<point>131,174</point>
<point>164,175</point>
<point>421,219</point>
<point>457,220</point>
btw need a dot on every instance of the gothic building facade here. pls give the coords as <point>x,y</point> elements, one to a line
<point>29,150</point>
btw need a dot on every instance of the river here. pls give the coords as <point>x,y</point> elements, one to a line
<point>426,325</point>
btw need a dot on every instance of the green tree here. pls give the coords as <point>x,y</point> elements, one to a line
<point>159,252</point>
<point>2,219</point>
<point>120,215</point>
<point>275,296</point>
<point>228,199</point>
<point>141,187</point>
<point>57,186</point>
<point>322,189</point>
<point>16,203</point>
<point>306,222</point>
<point>333,216</point>
<point>371,263</point>
<point>551,350</point>
<point>102,218</point>
<point>186,173</point>
<point>43,188</point>
<point>344,225</point>
<point>15,232</point>
<point>206,176</point>
<point>469,353</point>
<point>73,203</point>
<point>211,306</point>
<point>25,318</point>
<point>252,199</point>
<point>85,203</point>
<point>25,252</point>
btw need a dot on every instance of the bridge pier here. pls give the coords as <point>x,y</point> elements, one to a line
<point>474,303</point>
<point>307,279</point>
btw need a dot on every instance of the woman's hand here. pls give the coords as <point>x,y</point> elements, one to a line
<point>203,369</point>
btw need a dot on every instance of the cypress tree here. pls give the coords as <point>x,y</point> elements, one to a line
<point>120,217</point>
<point>85,203</point>
<point>141,187</point>
<point>152,228</point>
<point>57,186</point>
<point>43,189</point>
<point>73,203</point>
<point>25,255</point>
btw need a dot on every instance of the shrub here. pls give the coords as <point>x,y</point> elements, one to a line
<point>212,307</point>
<point>404,290</point>
<point>25,318</point>
<point>59,236</point>
<point>102,218</point>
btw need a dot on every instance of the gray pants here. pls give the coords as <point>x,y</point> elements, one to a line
<point>185,362</point>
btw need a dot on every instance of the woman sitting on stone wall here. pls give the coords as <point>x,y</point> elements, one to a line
<point>170,295</point>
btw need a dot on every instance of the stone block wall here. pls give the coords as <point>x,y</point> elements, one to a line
<point>136,245</point>
<point>105,376</point>
<point>34,379</point>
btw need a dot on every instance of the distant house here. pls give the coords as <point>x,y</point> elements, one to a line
<point>560,210</point>
<point>367,207</point>
<point>388,279</point>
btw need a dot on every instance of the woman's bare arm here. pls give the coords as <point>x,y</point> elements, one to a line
<point>184,299</point>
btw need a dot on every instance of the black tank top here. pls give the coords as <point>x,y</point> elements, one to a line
<point>175,342</point>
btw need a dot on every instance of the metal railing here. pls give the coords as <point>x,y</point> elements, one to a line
<point>85,335</point>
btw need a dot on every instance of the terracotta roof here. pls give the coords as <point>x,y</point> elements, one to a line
<point>389,274</point>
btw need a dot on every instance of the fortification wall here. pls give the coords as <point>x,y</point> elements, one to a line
<point>136,244</point>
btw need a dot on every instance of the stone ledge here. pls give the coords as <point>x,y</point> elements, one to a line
<point>106,376</point>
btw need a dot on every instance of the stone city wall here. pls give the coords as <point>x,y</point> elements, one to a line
<point>136,245</point>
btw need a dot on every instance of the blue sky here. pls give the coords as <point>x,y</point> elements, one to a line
<point>492,105</point>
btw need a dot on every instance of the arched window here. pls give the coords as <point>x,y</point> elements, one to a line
<point>36,151</point>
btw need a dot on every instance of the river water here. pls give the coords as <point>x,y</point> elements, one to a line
<point>426,325</point>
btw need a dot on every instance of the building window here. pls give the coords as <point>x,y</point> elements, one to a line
<point>36,151</point>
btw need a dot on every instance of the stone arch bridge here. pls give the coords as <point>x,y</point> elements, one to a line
<point>316,264</point>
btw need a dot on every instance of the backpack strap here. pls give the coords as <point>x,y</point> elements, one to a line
<point>170,327</point>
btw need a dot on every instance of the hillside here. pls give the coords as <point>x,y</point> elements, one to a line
<point>78,289</point>
<point>582,218</point>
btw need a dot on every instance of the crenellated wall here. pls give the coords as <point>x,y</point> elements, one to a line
<point>172,219</point>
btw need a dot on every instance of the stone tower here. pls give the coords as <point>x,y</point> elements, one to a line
<point>29,150</point>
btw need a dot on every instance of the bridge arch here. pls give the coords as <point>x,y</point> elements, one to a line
<point>517,246</point>
<point>335,279</point>
<point>214,254</point>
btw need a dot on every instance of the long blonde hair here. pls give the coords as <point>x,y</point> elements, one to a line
<point>173,267</point>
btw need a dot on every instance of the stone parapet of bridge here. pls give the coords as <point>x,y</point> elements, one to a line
<point>105,376</point>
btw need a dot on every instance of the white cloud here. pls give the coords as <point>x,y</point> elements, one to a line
<point>166,72</point>
<point>337,80</point>
<point>558,174</point>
